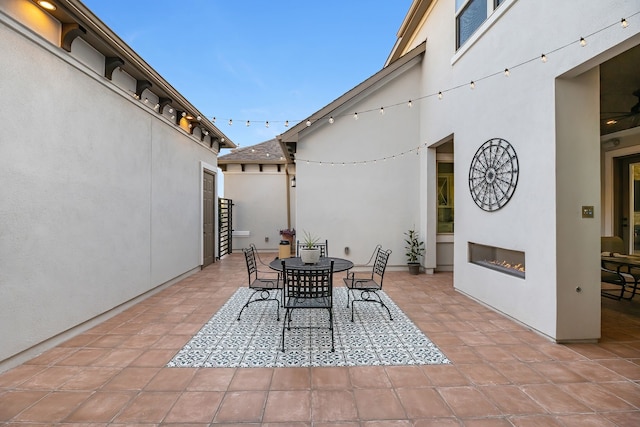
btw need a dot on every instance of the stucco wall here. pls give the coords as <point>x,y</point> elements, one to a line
<point>359,206</point>
<point>101,196</point>
<point>259,204</point>
<point>542,219</point>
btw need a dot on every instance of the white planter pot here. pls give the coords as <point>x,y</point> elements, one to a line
<point>310,256</point>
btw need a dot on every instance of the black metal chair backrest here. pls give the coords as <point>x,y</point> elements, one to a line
<point>380,265</point>
<point>314,284</point>
<point>324,248</point>
<point>252,268</point>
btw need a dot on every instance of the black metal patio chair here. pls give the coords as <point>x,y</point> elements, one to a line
<point>307,288</point>
<point>368,283</point>
<point>617,277</point>
<point>263,285</point>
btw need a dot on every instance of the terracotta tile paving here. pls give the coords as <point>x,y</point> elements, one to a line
<point>502,373</point>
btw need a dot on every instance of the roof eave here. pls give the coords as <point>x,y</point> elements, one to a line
<point>104,40</point>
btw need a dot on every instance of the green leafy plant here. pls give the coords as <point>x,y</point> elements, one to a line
<point>309,240</point>
<point>415,246</point>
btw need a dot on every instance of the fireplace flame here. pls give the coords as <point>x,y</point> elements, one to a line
<point>504,264</point>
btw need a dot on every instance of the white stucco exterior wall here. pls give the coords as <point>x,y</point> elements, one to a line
<point>359,206</point>
<point>259,204</point>
<point>101,195</point>
<point>554,150</point>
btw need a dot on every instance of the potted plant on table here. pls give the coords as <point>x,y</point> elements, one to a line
<point>310,253</point>
<point>415,249</point>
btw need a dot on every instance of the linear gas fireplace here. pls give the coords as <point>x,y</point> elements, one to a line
<point>499,259</point>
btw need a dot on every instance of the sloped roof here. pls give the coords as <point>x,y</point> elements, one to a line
<point>289,139</point>
<point>268,152</point>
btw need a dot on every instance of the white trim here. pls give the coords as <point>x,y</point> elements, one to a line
<point>213,170</point>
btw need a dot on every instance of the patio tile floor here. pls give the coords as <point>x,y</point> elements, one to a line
<point>502,374</point>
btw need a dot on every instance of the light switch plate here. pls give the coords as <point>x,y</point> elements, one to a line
<point>587,212</point>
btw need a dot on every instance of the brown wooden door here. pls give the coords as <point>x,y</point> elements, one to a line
<point>208,218</point>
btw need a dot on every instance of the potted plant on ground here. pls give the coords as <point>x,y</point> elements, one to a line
<point>415,249</point>
<point>309,253</point>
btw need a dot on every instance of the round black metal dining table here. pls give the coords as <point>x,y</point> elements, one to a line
<point>339,264</point>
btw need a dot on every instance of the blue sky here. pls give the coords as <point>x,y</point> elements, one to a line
<point>258,60</point>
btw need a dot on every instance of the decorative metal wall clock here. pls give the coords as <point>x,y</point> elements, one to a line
<point>493,174</point>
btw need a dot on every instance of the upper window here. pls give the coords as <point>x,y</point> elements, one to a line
<point>470,14</point>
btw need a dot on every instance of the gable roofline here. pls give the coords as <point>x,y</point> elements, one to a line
<point>289,139</point>
<point>265,153</point>
<point>78,21</point>
<point>407,30</point>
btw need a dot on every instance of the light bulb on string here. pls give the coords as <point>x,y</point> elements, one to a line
<point>266,124</point>
<point>381,111</point>
<point>230,122</point>
<point>440,95</point>
<point>472,84</point>
<point>409,104</point>
<point>355,116</point>
<point>184,114</point>
<point>624,23</point>
<point>507,73</point>
<point>331,120</point>
<point>308,123</point>
<point>248,123</point>
<point>583,42</point>
<point>198,118</point>
<point>213,120</point>
<point>286,123</point>
<point>543,57</point>
<point>170,110</point>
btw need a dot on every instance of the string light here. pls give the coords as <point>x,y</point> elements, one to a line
<point>440,94</point>
<point>248,123</point>
<point>415,150</point>
<point>266,124</point>
<point>184,114</point>
<point>213,120</point>
<point>230,122</point>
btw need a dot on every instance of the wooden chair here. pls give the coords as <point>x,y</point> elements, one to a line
<point>368,283</point>
<point>307,289</point>
<point>324,248</point>
<point>262,286</point>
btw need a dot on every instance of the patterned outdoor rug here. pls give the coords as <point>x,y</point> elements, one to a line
<point>254,341</point>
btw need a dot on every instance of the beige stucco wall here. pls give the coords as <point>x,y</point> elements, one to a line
<point>101,195</point>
